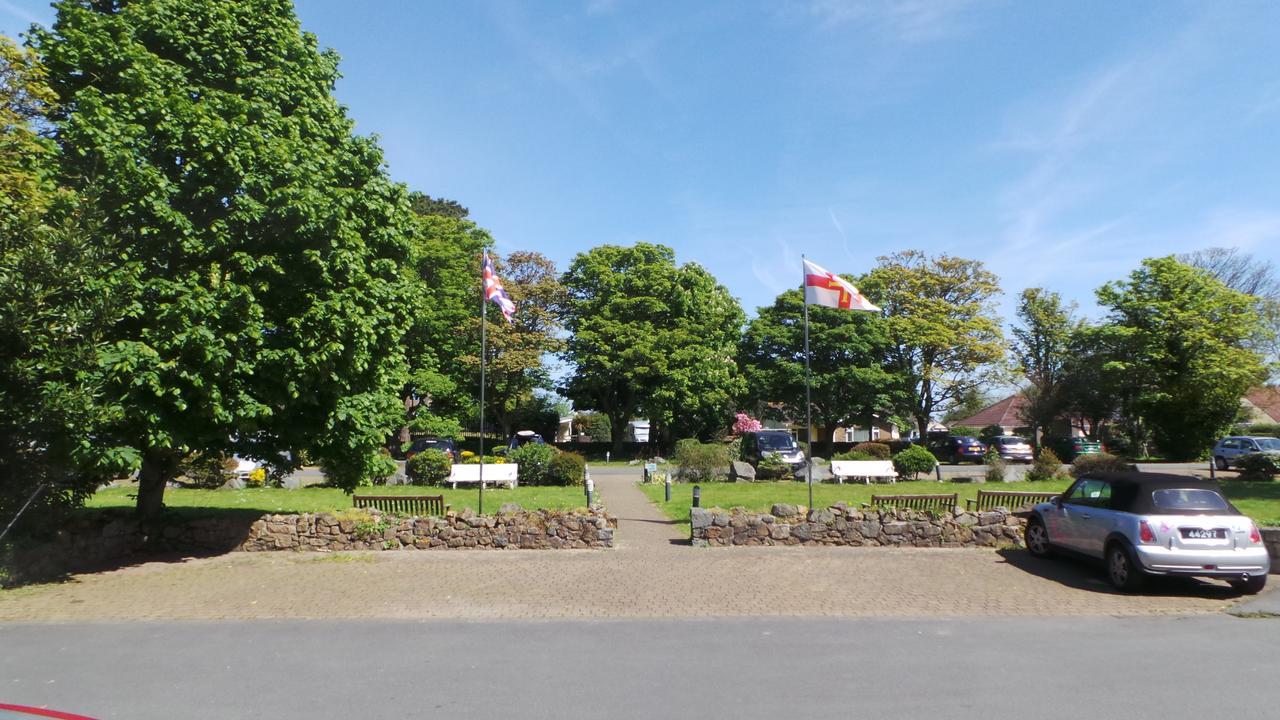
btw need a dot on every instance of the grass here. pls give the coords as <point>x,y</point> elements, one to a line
<point>1258,500</point>
<point>322,499</point>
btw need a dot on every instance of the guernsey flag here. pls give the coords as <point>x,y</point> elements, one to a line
<point>830,290</point>
<point>493,290</point>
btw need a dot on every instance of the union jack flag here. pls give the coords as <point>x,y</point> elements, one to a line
<point>493,289</point>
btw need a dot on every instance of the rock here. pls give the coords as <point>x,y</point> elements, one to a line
<point>700,518</point>
<point>741,471</point>
<point>821,473</point>
<point>784,510</point>
<point>780,532</point>
<point>802,531</point>
<point>510,509</point>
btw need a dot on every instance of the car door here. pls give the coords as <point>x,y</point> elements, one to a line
<point>1094,524</point>
<point>1074,513</point>
<point>1058,520</point>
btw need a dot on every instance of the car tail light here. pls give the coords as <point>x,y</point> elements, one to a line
<point>1255,536</point>
<point>1144,532</point>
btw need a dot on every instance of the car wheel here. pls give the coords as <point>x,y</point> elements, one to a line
<point>1252,586</point>
<point>1122,569</point>
<point>1037,538</point>
<point>1220,463</point>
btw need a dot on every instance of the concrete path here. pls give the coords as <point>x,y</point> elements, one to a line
<point>652,573</point>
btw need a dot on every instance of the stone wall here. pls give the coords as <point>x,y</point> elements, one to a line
<point>1271,538</point>
<point>842,525</point>
<point>104,538</point>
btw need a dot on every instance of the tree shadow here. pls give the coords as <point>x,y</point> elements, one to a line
<point>1084,574</point>
<point>98,540</point>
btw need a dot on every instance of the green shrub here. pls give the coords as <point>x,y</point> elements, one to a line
<point>701,462</point>
<point>1100,462</point>
<point>1046,466</point>
<point>856,454</point>
<point>965,431</point>
<point>989,432</point>
<point>771,467</point>
<point>877,451</point>
<point>1260,466</point>
<point>913,461</point>
<point>566,468</point>
<point>995,465</point>
<point>534,460</point>
<point>429,467</point>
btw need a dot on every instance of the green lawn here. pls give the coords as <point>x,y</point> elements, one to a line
<point>1260,501</point>
<point>321,499</point>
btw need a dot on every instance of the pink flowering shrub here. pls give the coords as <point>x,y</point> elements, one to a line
<point>745,423</point>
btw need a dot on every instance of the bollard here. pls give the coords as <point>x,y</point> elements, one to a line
<point>937,469</point>
<point>591,486</point>
<point>697,496</point>
<point>1213,469</point>
<point>668,489</point>
<point>606,455</point>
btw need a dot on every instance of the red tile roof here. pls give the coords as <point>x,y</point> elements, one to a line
<point>1005,413</point>
<point>1267,400</point>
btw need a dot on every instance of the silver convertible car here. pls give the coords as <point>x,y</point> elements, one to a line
<point>1142,524</point>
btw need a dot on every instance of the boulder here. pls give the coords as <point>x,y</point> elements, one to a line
<point>741,471</point>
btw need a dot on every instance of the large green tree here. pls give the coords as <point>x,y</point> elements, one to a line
<point>653,338</point>
<point>1040,349</point>
<point>944,332</point>
<point>443,272</point>
<point>850,383</point>
<point>1187,353</point>
<point>263,235</point>
<point>55,306</point>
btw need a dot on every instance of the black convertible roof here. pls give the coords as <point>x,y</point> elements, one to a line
<point>1131,491</point>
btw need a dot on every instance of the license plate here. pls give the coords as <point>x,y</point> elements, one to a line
<point>1204,533</point>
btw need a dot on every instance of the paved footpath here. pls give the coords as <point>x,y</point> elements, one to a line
<point>651,573</point>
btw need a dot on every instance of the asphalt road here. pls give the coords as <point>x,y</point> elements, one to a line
<point>1168,668</point>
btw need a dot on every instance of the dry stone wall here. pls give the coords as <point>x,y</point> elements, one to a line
<point>843,525</point>
<point>104,538</point>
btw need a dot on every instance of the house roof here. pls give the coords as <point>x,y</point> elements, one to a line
<point>1005,413</point>
<point>1267,400</point>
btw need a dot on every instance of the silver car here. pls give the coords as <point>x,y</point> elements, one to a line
<point>1229,450</point>
<point>1143,524</point>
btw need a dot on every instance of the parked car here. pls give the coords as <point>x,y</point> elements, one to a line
<point>955,449</point>
<point>1068,448</point>
<point>523,437</point>
<point>1229,450</point>
<point>444,445</point>
<point>1143,524</point>
<point>1012,448</point>
<point>759,443</point>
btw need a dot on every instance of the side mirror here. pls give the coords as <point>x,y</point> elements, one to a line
<point>1057,501</point>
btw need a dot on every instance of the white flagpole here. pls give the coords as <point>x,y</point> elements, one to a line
<point>808,400</point>
<point>484,304</point>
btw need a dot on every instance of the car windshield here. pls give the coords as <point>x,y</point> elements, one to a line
<point>1011,440</point>
<point>967,440</point>
<point>776,441</point>
<point>1268,443</point>
<point>1172,499</point>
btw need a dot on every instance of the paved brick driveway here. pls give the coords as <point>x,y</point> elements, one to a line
<point>650,574</point>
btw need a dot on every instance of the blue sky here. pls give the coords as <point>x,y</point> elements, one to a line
<point>1060,142</point>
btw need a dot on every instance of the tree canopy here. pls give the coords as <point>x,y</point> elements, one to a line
<point>1040,351</point>
<point>944,333</point>
<point>262,236</point>
<point>850,384</point>
<point>653,338</point>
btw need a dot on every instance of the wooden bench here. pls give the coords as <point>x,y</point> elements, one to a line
<point>494,474</point>
<point>940,503</point>
<point>1008,499</point>
<point>863,469</point>
<point>407,505</point>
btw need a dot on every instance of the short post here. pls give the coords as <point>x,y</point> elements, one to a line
<point>697,496</point>
<point>591,486</point>
<point>937,469</point>
<point>606,455</point>
<point>668,489</point>
<point>1213,469</point>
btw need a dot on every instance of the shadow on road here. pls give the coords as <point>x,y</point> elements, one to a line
<point>1082,574</point>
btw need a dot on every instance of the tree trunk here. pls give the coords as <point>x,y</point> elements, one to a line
<point>922,422</point>
<point>618,429</point>
<point>828,445</point>
<point>159,466</point>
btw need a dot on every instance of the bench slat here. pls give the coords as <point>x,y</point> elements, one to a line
<point>420,505</point>
<point>1008,499</point>
<point>918,502</point>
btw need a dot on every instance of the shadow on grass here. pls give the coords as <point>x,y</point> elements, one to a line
<point>112,540</point>
<point>1083,574</point>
